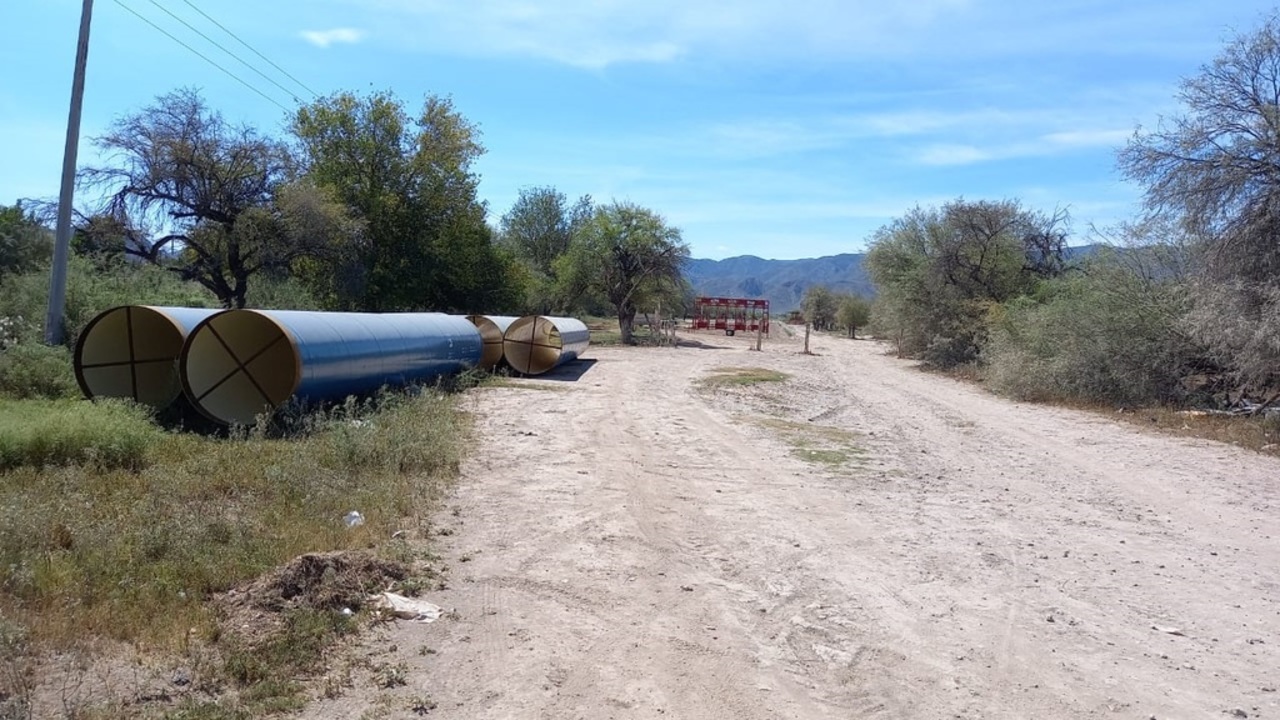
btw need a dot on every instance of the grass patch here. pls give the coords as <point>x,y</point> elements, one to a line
<point>141,552</point>
<point>1255,433</point>
<point>817,444</point>
<point>105,434</point>
<point>741,376</point>
<point>604,331</point>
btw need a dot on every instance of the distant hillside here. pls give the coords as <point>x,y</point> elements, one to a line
<point>783,282</point>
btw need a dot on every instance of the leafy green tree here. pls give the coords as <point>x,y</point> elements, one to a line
<point>538,229</point>
<point>819,306</point>
<point>1214,169</point>
<point>197,195</point>
<point>626,254</point>
<point>937,271</point>
<point>408,180</point>
<point>853,312</point>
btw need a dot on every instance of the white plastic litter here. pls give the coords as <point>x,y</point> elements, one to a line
<point>407,608</point>
<point>353,519</point>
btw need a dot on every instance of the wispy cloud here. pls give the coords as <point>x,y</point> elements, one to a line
<point>335,36</point>
<point>595,34</point>
<point>952,154</point>
<point>1089,138</point>
<point>1053,143</point>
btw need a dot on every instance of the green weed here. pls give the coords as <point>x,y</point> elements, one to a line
<point>741,376</point>
<point>106,434</point>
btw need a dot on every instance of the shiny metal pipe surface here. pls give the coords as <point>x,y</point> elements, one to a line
<point>132,352</point>
<point>241,363</point>
<point>492,328</point>
<point>535,344</point>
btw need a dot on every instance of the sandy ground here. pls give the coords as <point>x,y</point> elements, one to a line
<point>864,540</point>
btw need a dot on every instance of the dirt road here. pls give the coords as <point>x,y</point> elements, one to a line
<point>863,540</point>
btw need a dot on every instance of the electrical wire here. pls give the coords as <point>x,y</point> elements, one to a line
<point>218,45</point>
<point>201,55</point>
<point>252,48</point>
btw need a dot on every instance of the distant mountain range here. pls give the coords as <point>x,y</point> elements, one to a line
<point>782,282</point>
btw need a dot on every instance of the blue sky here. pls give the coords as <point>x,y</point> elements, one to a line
<point>778,129</point>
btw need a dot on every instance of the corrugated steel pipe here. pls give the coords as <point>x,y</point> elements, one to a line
<point>491,329</point>
<point>132,352</point>
<point>241,363</point>
<point>535,344</point>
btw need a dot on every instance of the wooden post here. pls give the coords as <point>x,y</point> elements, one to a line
<point>806,339</point>
<point>759,333</point>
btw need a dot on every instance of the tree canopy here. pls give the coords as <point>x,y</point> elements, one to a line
<point>938,269</point>
<point>628,254</point>
<point>538,229</point>
<point>408,179</point>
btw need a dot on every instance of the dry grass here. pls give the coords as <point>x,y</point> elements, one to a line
<point>1254,433</point>
<point>140,552</point>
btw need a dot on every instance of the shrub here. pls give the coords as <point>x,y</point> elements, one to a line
<point>107,434</point>
<point>32,370</point>
<point>92,288</point>
<point>1106,335</point>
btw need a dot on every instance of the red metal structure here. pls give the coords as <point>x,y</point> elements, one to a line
<point>730,314</point>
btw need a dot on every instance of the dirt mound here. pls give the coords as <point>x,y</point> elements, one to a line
<point>328,581</point>
<point>322,581</point>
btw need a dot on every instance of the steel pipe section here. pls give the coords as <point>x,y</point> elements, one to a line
<point>535,344</point>
<point>132,352</point>
<point>241,363</point>
<point>492,328</point>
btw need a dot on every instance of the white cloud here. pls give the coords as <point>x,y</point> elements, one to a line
<point>1054,143</point>
<point>325,38</point>
<point>1089,138</point>
<point>595,34</point>
<point>952,154</point>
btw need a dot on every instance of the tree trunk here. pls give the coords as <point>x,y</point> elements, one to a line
<point>625,321</point>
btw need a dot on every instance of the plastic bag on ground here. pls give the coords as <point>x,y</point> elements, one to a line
<point>407,608</point>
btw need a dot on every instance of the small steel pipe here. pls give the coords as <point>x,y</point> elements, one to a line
<point>535,344</point>
<point>492,328</point>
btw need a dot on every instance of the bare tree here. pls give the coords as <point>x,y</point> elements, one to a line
<point>1216,168</point>
<point>192,193</point>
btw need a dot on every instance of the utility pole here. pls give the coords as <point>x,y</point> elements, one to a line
<point>53,329</point>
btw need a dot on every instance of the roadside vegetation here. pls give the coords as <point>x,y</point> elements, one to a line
<point>1178,308</point>
<point>117,530</point>
<point>233,555</point>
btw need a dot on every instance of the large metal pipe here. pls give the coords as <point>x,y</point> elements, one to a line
<point>492,328</point>
<point>535,344</point>
<point>132,352</point>
<point>241,363</point>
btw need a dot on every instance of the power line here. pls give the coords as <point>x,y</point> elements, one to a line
<point>252,48</point>
<point>201,55</point>
<point>216,44</point>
